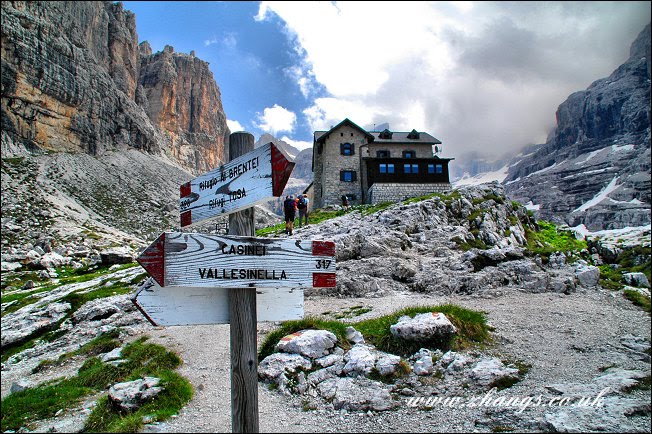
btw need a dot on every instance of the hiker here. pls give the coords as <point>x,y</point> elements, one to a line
<point>302,206</point>
<point>345,202</point>
<point>289,210</point>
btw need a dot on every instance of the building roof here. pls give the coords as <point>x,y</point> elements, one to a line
<point>402,137</point>
<point>320,136</point>
<point>377,136</point>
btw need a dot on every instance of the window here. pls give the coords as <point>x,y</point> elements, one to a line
<point>410,168</point>
<point>382,154</point>
<point>385,134</point>
<point>320,148</point>
<point>414,134</point>
<point>348,176</point>
<point>409,154</point>
<point>439,168</point>
<point>386,168</point>
<point>347,149</point>
<point>431,168</point>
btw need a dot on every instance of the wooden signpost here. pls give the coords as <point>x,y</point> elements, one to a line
<point>201,260</point>
<point>186,305</point>
<point>241,183</point>
<point>237,278</point>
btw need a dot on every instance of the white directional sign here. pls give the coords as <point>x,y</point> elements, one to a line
<point>202,260</point>
<point>172,305</point>
<point>241,183</point>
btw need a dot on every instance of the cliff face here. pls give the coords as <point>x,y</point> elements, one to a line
<point>595,167</point>
<point>182,99</point>
<point>71,81</point>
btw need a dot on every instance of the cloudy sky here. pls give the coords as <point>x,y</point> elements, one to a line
<point>479,76</point>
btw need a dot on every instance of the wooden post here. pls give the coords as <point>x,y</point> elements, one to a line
<point>243,318</point>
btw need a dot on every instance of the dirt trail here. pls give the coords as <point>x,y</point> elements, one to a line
<point>566,339</point>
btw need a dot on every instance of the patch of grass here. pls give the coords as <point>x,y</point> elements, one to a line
<point>471,326</point>
<point>611,278</point>
<point>637,259</point>
<point>18,279</point>
<point>22,299</point>
<point>370,209</point>
<point>69,275</point>
<point>141,359</point>
<point>351,312</point>
<point>78,299</point>
<point>548,239</point>
<point>100,345</point>
<point>467,245</point>
<point>638,299</point>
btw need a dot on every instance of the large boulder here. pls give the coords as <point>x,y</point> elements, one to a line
<point>425,327</point>
<point>356,394</point>
<point>275,365</point>
<point>309,343</point>
<point>493,372</point>
<point>131,395</point>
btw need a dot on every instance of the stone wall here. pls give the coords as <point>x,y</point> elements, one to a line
<point>328,164</point>
<point>395,192</point>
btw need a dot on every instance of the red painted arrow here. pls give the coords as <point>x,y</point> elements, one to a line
<point>202,260</point>
<point>153,260</point>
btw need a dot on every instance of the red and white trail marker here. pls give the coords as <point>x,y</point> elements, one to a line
<point>241,183</point>
<point>202,260</point>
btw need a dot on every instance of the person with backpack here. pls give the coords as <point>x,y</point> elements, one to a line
<point>302,206</point>
<point>289,211</point>
<point>345,202</point>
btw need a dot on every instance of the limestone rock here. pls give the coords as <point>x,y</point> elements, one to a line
<point>309,343</point>
<point>24,323</point>
<point>387,364</point>
<point>359,360</point>
<point>424,327</point>
<point>423,364</point>
<point>117,255</point>
<point>587,275</point>
<point>131,395</point>
<point>636,279</point>
<point>356,394</point>
<point>354,336</point>
<point>277,364</point>
<point>488,372</point>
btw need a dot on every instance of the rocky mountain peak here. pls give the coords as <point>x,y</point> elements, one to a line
<point>75,79</point>
<point>594,169</point>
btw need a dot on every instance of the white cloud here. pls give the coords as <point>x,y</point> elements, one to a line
<point>276,119</point>
<point>234,126</point>
<point>477,75</point>
<point>211,41</point>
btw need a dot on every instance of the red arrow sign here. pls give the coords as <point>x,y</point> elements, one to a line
<point>201,260</point>
<point>252,178</point>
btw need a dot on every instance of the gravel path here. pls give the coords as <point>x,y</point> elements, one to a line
<point>566,339</point>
